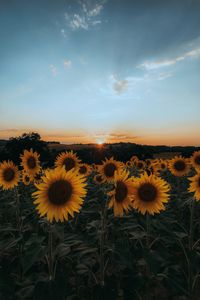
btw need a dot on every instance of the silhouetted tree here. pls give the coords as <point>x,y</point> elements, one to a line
<point>16,145</point>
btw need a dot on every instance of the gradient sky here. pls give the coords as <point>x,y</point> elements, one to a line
<point>91,71</point>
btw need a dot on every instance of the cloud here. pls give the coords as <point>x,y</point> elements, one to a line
<point>67,63</point>
<point>120,86</point>
<point>86,17</point>
<point>53,70</point>
<point>153,65</point>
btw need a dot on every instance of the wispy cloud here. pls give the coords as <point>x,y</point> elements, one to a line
<point>86,17</point>
<point>153,65</point>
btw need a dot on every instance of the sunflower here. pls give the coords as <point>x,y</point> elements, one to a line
<point>9,175</point>
<point>129,164</point>
<point>140,165</point>
<point>98,179</point>
<point>30,162</point>
<point>67,159</point>
<point>60,194</point>
<point>122,194</point>
<point>179,166</point>
<point>162,166</point>
<point>150,194</point>
<point>108,168</point>
<point>26,178</point>
<point>195,186</point>
<point>195,159</point>
<point>84,169</point>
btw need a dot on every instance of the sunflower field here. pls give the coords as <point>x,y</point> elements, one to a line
<point>109,231</point>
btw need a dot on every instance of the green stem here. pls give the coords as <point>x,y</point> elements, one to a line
<point>191,243</point>
<point>102,244</point>
<point>20,232</point>
<point>148,271</point>
<point>50,253</point>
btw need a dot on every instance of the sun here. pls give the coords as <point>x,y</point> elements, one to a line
<point>100,142</point>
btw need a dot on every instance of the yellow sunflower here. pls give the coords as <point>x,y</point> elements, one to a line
<point>60,194</point>
<point>30,162</point>
<point>129,164</point>
<point>140,165</point>
<point>84,169</point>
<point>179,166</point>
<point>122,194</point>
<point>98,179</point>
<point>195,159</point>
<point>108,168</point>
<point>162,166</point>
<point>9,175</point>
<point>150,194</point>
<point>195,186</point>
<point>67,159</point>
<point>26,178</point>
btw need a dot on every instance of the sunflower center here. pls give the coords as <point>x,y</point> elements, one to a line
<point>121,191</point>
<point>110,169</point>
<point>140,165</point>
<point>162,166</point>
<point>31,162</point>
<point>82,170</point>
<point>179,165</point>
<point>197,160</point>
<point>69,163</point>
<point>60,192</point>
<point>147,192</point>
<point>8,174</point>
<point>98,178</point>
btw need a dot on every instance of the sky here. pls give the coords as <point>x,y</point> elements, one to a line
<point>101,70</point>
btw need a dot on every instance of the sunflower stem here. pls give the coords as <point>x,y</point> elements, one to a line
<point>102,244</point>
<point>20,231</point>
<point>148,271</point>
<point>190,243</point>
<point>50,252</point>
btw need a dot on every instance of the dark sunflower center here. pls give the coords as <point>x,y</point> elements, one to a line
<point>147,192</point>
<point>60,192</point>
<point>8,174</point>
<point>109,169</point>
<point>83,170</point>
<point>140,165</point>
<point>98,178</point>
<point>69,163</point>
<point>197,160</point>
<point>31,162</point>
<point>162,166</point>
<point>180,165</point>
<point>121,191</point>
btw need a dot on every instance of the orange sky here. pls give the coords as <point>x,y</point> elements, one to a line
<point>154,138</point>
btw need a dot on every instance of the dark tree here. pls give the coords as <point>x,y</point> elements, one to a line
<point>15,146</point>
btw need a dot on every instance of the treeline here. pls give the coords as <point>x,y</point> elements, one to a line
<point>121,151</point>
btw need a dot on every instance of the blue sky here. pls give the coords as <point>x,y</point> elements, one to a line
<point>89,71</point>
